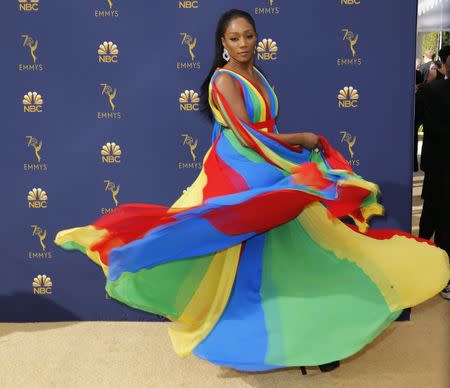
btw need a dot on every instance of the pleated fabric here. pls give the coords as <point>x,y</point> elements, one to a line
<point>253,264</point>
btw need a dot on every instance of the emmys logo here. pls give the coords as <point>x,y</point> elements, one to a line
<point>42,285</point>
<point>191,144</point>
<point>190,43</point>
<point>40,233</point>
<point>268,10</point>
<point>109,12</point>
<point>189,100</point>
<point>111,153</point>
<point>28,5</point>
<point>114,190</point>
<point>348,97</point>
<point>352,39</point>
<point>37,198</point>
<point>32,102</point>
<point>267,50</point>
<point>36,145</point>
<point>31,45</point>
<point>350,2</point>
<point>107,53</point>
<point>188,4</point>
<point>350,141</point>
<point>110,94</point>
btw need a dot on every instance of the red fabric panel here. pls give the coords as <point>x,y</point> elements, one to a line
<point>308,174</point>
<point>259,213</point>
<point>127,223</point>
<point>350,199</point>
<point>333,157</point>
<point>385,234</point>
<point>222,179</point>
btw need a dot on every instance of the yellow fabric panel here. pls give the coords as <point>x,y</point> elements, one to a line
<point>406,271</point>
<point>208,303</point>
<point>194,196</point>
<point>84,236</point>
<point>211,298</point>
<point>374,209</point>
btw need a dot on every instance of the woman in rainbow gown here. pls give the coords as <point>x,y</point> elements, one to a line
<point>252,263</point>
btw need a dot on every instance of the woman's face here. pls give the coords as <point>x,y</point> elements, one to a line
<point>240,40</point>
<point>432,72</point>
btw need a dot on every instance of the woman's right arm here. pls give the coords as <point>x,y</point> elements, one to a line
<point>229,88</point>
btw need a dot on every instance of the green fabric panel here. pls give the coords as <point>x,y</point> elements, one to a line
<point>165,289</point>
<point>316,157</point>
<point>256,104</point>
<point>71,245</point>
<point>318,308</point>
<point>228,120</point>
<point>244,151</point>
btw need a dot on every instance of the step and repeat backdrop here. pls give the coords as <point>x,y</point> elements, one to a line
<point>100,106</point>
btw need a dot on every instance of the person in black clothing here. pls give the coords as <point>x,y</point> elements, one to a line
<point>418,118</point>
<point>425,66</point>
<point>433,102</point>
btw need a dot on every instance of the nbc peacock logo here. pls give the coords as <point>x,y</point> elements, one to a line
<point>108,52</point>
<point>42,285</point>
<point>348,97</point>
<point>32,102</point>
<point>349,140</point>
<point>267,50</point>
<point>111,153</point>
<point>350,2</point>
<point>189,42</point>
<point>351,40</point>
<point>40,234</point>
<point>31,46</point>
<point>37,199</point>
<point>109,10</point>
<point>28,5</point>
<point>189,101</point>
<point>188,4</point>
<point>267,7</point>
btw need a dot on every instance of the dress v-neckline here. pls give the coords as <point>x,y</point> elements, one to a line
<point>254,85</point>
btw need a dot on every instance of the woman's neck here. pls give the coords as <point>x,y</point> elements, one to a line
<point>243,68</point>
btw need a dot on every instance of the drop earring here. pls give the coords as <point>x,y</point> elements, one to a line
<point>225,54</point>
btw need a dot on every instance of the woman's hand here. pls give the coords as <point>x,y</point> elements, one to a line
<point>304,139</point>
<point>310,140</point>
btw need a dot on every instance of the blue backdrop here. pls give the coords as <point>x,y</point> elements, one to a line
<point>128,93</point>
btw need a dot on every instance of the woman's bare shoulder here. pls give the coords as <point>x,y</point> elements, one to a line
<point>226,83</point>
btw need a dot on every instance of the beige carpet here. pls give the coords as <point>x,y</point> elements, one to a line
<point>413,354</point>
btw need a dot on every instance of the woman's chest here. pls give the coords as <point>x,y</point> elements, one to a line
<point>262,89</point>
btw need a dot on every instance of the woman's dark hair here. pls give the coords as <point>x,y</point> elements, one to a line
<point>218,60</point>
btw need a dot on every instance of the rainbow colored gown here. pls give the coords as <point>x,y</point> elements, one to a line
<point>252,263</point>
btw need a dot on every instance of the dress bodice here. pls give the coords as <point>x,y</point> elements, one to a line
<point>262,113</point>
